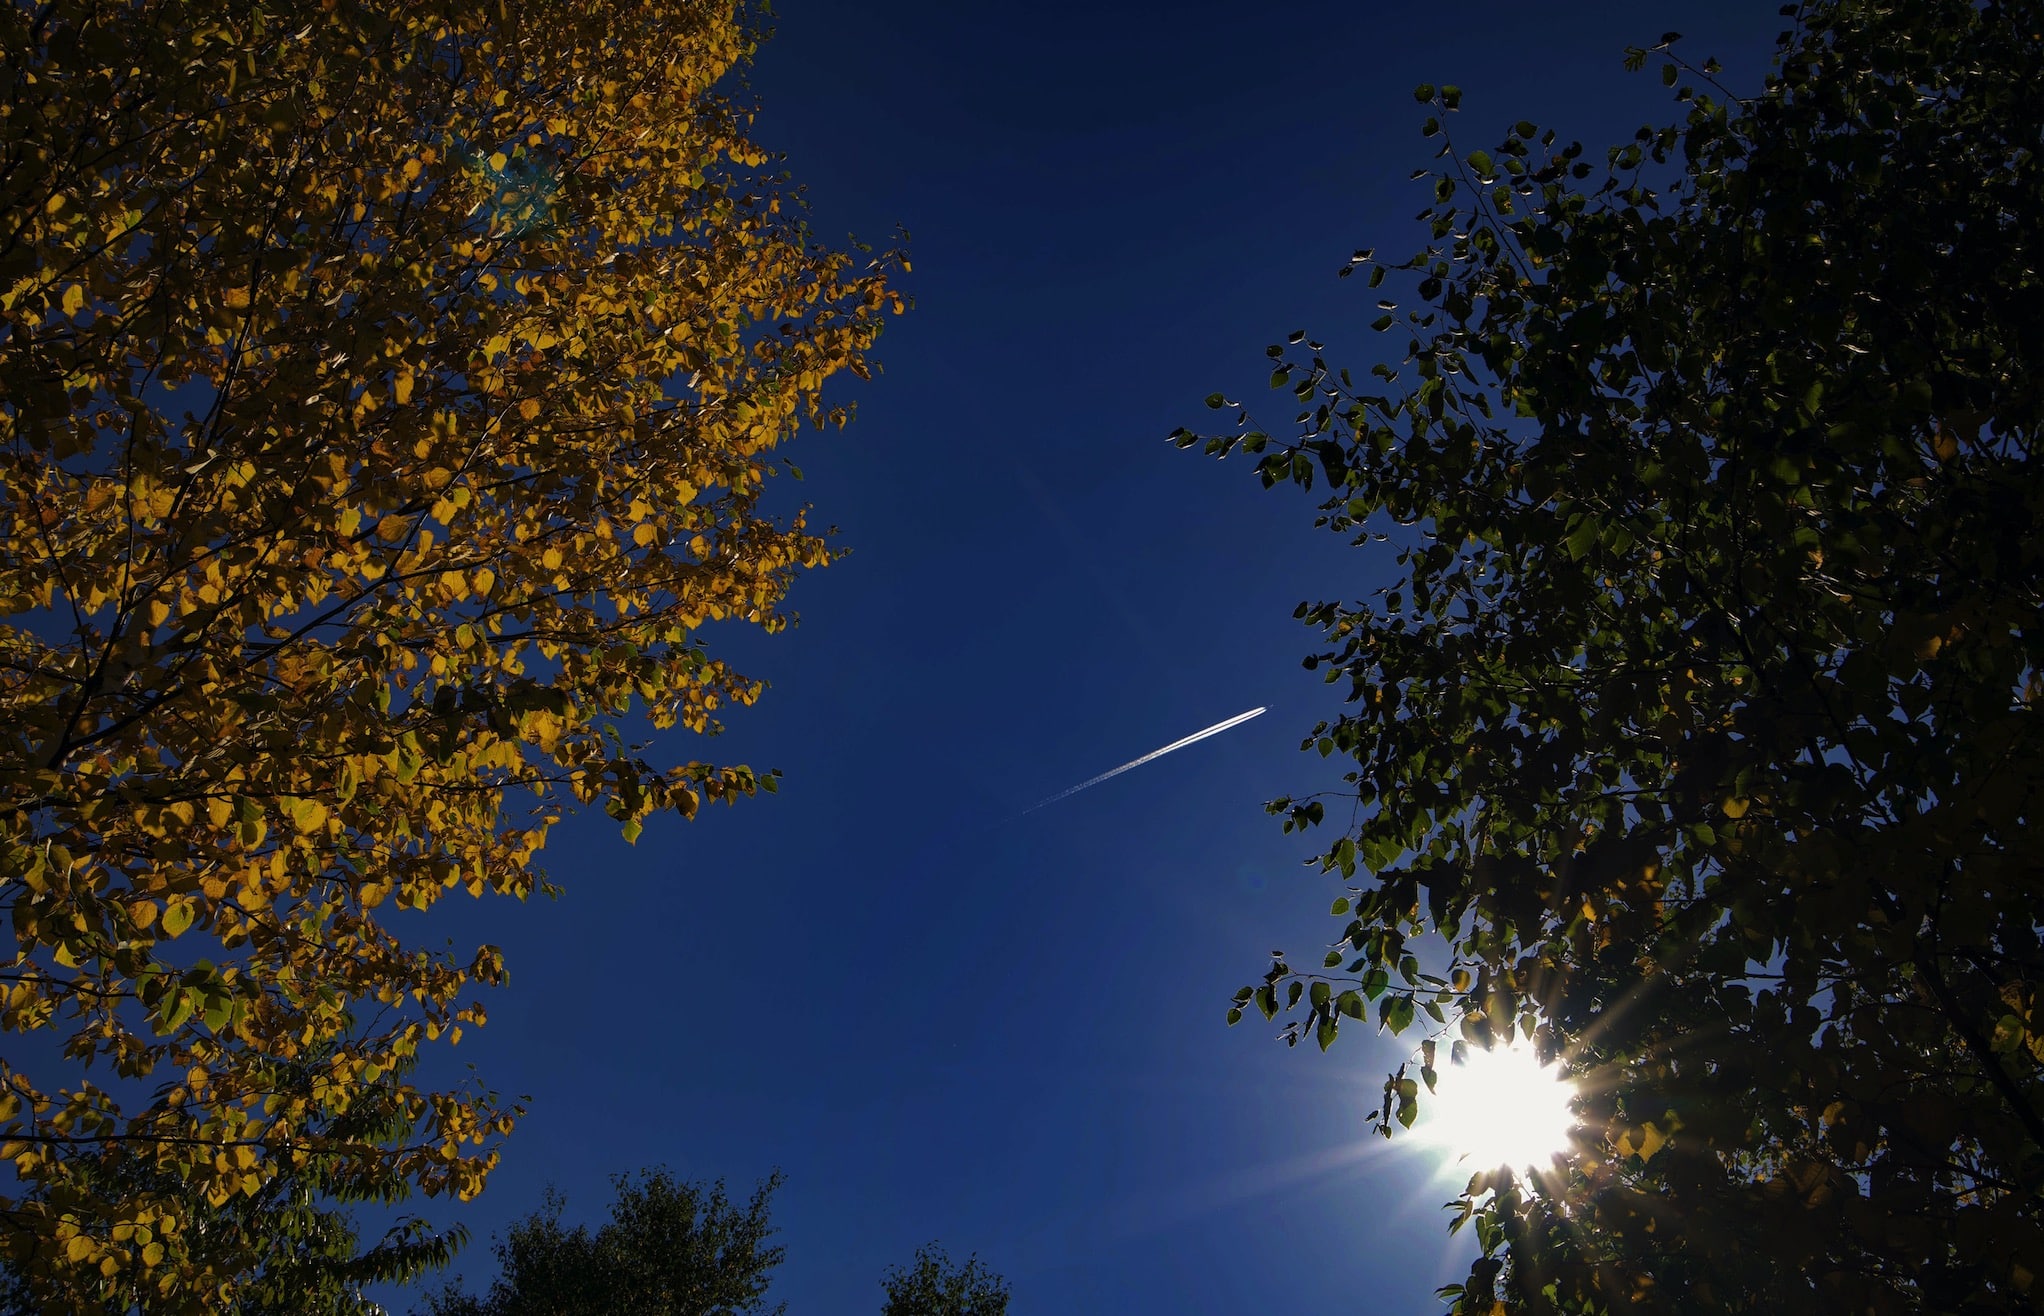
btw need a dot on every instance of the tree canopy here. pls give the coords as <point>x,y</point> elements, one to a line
<point>294,1242</point>
<point>681,1249</point>
<point>386,402</point>
<point>1697,740</point>
<point>933,1286</point>
<point>671,1249</point>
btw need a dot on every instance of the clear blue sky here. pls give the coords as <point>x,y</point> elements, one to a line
<point>941,1020</point>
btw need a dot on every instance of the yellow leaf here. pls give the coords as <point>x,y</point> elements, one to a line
<point>177,916</point>
<point>498,160</point>
<point>644,536</point>
<point>235,298</point>
<point>308,815</point>
<point>1736,808</point>
<point>403,386</point>
<point>74,299</point>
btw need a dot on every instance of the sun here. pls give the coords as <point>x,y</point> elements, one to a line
<point>1501,1107</point>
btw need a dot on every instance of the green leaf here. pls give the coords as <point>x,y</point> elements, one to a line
<point>176,1007</point>
<point>1582,537</point>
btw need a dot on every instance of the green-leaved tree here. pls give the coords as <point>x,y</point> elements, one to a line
<point>1702,726</point>
<point>671,1248</point>
<point>934,1286</point>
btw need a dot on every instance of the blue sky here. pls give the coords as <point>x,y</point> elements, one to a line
<point>941,1019</point>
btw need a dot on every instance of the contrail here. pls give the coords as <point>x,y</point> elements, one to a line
<point>1214,730</point>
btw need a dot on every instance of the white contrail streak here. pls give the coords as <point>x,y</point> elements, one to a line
<point>1214,730</point>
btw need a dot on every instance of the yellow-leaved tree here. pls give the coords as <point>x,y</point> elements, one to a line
<point>386,393</point>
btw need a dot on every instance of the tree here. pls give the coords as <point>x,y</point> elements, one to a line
<point>1698,739</point>
<point>311,1259</point>
<point>935,1287</point>
<point>670,1249</point>
<point>386,401</point>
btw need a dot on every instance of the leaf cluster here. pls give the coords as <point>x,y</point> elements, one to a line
<point>1701,725</point>
<point>310,1258</point>
<point>386,400</point>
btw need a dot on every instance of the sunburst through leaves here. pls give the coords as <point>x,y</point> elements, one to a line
<point>1501,1108</point>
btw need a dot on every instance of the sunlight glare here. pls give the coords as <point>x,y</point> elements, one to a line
<point>1501,1107</point>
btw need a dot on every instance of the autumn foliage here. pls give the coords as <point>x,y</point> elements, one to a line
<point>386,396</point>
